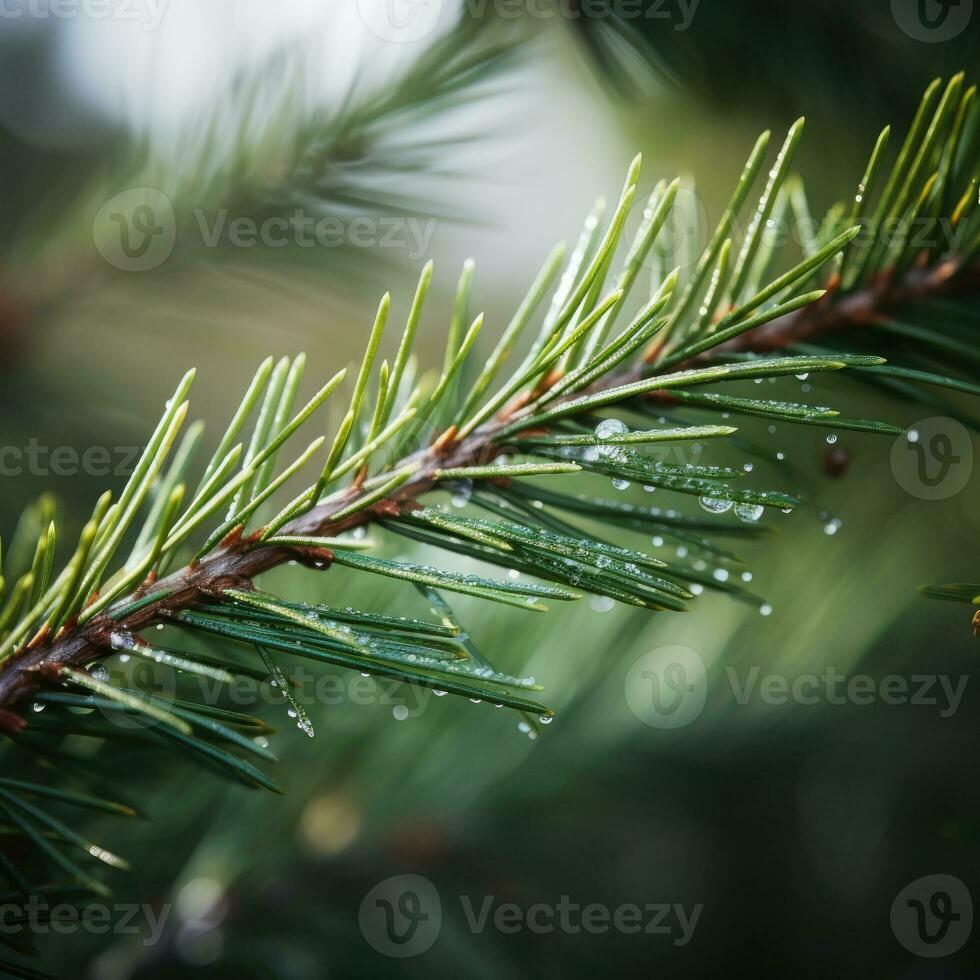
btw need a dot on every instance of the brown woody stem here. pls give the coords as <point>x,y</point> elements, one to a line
<point>239,560</point>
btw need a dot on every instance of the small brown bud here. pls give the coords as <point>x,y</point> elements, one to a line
<point>445,440</point>
<point>836,461</point>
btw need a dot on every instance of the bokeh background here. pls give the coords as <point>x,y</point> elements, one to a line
<point>794,826</point>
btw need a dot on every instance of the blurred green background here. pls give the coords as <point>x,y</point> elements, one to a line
<point>794,826</point>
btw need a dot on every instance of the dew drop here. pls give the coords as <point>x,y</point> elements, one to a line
<point>621,484</point>
<point>831,439</point>
<point>715,505</point>
<point>38,707</point>
<point>749,513</point>
<point>601,603</point>
<point>462,493</point>
<point>99,672</point>
<point>400,712</point>
<point>610,427</point>
<point>765,609</point>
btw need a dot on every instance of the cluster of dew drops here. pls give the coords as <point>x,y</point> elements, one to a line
<point>96,671</point>
<point>748,513</point>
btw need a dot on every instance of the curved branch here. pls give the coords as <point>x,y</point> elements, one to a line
<point>239,560</point>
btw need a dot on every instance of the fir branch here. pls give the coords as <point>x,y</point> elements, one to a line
<point>865,308</point>
<point>54,625</point>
